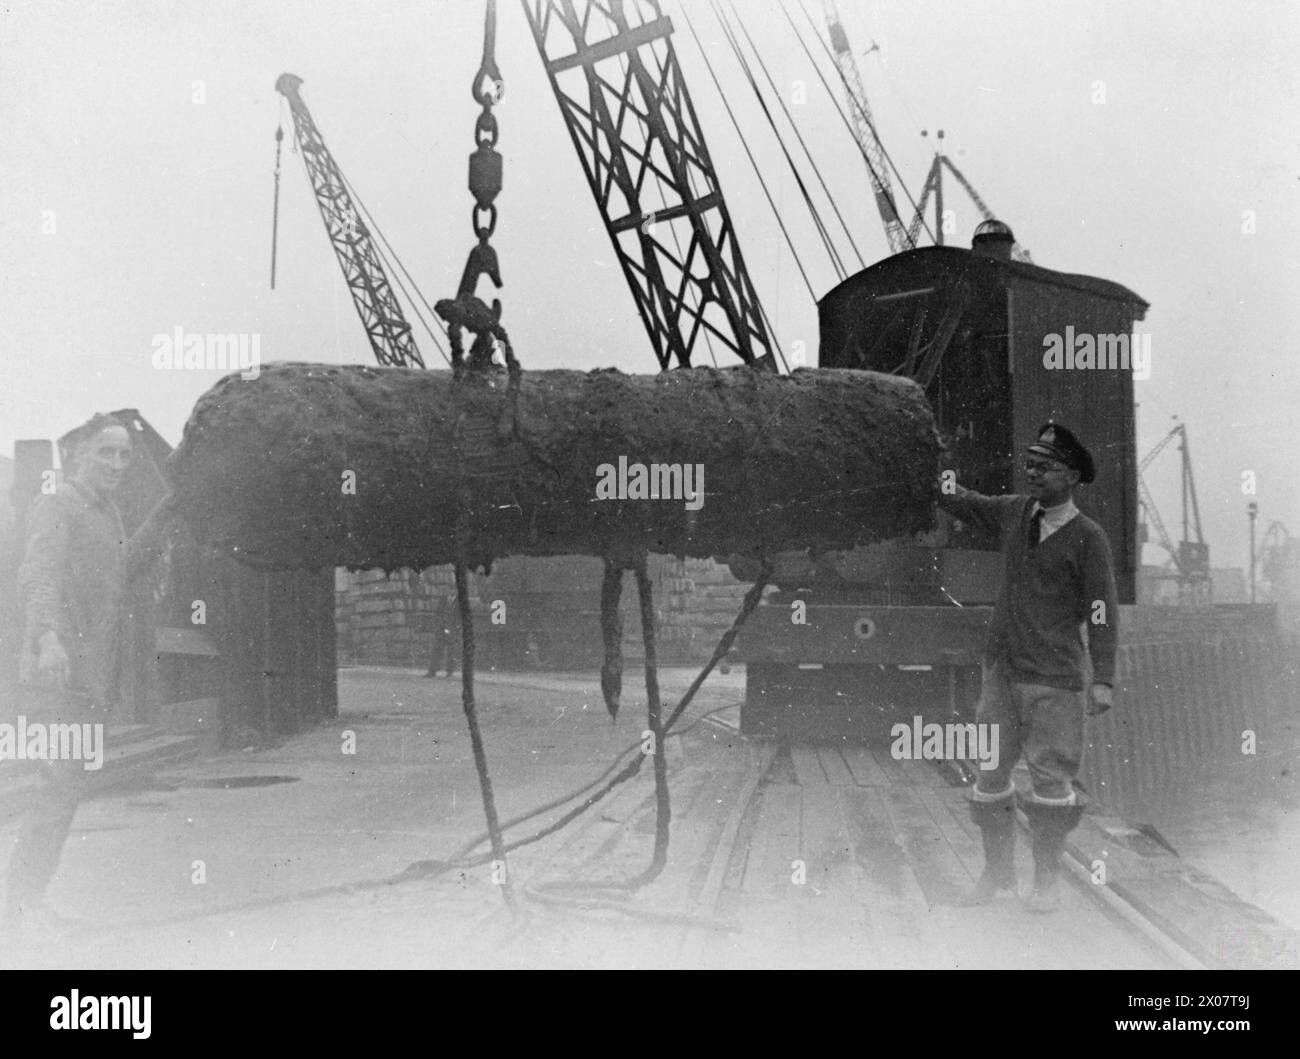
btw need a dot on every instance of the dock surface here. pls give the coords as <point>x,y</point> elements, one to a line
<point>300,854</point>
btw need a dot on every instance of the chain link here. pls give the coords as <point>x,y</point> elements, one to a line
<point>466,311</point>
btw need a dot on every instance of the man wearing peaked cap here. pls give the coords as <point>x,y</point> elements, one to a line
<point>1058,443</point>
<point>1058,578</point>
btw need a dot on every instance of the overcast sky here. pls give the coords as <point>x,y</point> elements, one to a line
<point>160,205</point>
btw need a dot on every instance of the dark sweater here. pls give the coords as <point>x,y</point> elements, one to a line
<point>1048,592</point>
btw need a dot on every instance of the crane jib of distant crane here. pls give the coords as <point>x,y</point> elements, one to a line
<point>381,315</point>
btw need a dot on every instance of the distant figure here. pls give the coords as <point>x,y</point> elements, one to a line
<point>77,563</point>
<point>446,636</point>
<point>1058,579</point>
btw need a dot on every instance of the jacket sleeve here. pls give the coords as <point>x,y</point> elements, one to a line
<point>149,543</point>
<point>40,578</point>
<point>1099,588</point>
<point>991,514</point>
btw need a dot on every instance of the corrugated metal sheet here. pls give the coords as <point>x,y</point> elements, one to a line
<point>1182,707</point>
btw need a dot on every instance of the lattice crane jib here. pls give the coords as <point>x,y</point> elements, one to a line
<point>615,75</point>
<point>1191,556</point>
<point>381,315</point>
<point>865,133</point>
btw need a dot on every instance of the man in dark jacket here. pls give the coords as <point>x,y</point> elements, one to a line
<point>77,563</point>
<point>445,649</point>
<point>1058,579</point>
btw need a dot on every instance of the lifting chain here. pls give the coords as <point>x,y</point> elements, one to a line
<point>466,311</point>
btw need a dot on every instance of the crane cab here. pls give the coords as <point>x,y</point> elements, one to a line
<point>1000,347</point>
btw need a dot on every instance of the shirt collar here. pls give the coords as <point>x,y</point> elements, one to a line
<point>1059,514</point>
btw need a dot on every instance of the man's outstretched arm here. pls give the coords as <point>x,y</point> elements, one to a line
<point>987,513</point>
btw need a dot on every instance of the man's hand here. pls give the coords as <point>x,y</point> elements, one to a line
<point>1101,699</point>
<point>52,664</point>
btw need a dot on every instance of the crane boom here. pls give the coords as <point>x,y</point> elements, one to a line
<point>381,315</point>
<point>934,185</point>
<point>1191,557</point>
<point>1153,513</point>
<point>864,132</point>
<point>614,73</point>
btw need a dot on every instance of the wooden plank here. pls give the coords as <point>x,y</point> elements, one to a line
<point>776,842</point>
<point>932,929</point>
<point>1196,911</point>
<point>825,845</point>
<point>831,910</point>
<point>925,773</point>
<point>807,766</point>
<point>695,830</point>
<point>881,873</point>
<point>947,810</point>
<point>939,871</point>
<point>864,768</point>
<point>876,848</point>
<point>892,770</point>
<point>759,758</point>
<point>837,772</point>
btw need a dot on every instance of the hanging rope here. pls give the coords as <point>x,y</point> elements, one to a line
<point>654,722</point>
<point>466,312</point>
<point>475,736</point>
<point>275,208</point>
<point>465,856</point>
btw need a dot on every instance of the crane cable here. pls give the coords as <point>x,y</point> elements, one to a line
<point>372,228</point>
<point>750,154</point>
<point>843,117</point>
<point>861,111</point>
<point>803,188</point>
<point>401,268</point>
<point>786,111</point>
<point>275,206</point>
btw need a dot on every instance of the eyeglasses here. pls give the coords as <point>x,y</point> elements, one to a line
<point>1044,467</point>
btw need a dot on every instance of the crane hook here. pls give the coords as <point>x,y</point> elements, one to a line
<point>488,70</point>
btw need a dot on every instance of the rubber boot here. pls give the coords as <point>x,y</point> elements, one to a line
<point>997,824</point>
<point>1049,825</point>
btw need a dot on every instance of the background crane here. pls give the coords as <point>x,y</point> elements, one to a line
<point>934,186</point>
<point>1191,558</point>
<point>381,315</point>
<point>864,131</point>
